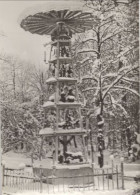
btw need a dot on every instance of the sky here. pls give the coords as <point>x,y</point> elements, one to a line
<point>19,42</point>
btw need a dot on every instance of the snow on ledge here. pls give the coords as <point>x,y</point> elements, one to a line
<point>46,130</point>
<point>51,80</point>
<point>48,104</point>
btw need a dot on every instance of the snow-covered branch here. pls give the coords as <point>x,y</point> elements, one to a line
<point>127,89</point>
<point>89,89</point>
<point>125,52</point>
<point>118,79</point>
<point>87,51</point>
<point>130,80</point>
<point>90,78</point>
<point>84,60</point>
<point>110,36</point>
<point>34,119</point>
<point>109,75</point>
<point>88,40</point>
<point>116,104</point>
<point>105,23</point>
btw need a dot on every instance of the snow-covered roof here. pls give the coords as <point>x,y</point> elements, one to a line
<point>70,104</point>
<point>45,131</point>
<point>52,97</point>
<point>51,80</point>
<point>48,104</point>
<point>50,132</point>
<point>66,79</point>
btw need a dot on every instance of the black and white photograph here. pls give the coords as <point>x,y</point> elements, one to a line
<point>69,97</point>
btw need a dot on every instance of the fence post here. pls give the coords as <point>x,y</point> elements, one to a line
<point>93,173</point>
<point>122,175</point>
<point>107,179</point>
<point>40,178</point>
<point>112,175</point>
<point>117,177</point>
<point>3,174</point>
<point>103,178</point>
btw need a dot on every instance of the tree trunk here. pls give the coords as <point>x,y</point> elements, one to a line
<point>100,137</point>
<point>14,82</point>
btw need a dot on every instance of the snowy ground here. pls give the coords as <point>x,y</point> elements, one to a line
<point>114,192</point>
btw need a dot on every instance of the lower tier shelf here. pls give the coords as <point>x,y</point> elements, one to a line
<point>62,132</point>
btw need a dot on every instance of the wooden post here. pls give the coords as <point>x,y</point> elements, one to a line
<point>10,178</point>
<point>88,182</point>
<point>56,100</point>
<point>53,181</point>
<point>50,53</point>
<point>47,184</point>
<point>42,141</point>
<point>57,121</point>
<point>122,175</point>
<point>3,173</point>
<point>58,183</point>
<point>117,176</point>
<point>107,179</point>
<point>83,182</point>
<point>81,125</point>
<point>103,178</point>
<point>40,178</point>
<point>70,49</point>
<point>85,154</point>
<point>98,180</point>
<point>91,143</point>
<point>58,55</point>
<point>63,182</point>
<point>112,174</point>
<point>56,150</point>
<point>77,95</point>
<point>73,178</point>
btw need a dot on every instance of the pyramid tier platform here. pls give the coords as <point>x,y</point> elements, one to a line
<point>51,80</point>
<point>69,79</point>
<point>50,104</point>
<point>61,79</point>
<point>61,132</point>
<point>61,42</point>
<point>68,104</point>
<point>68,59</point>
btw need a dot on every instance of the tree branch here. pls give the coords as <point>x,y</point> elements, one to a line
<point>89,89</point>
<point>91,39</point>
<point>87,51</point>
<point>90,78</point>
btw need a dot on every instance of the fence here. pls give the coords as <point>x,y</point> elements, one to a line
<point>100,179</point>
